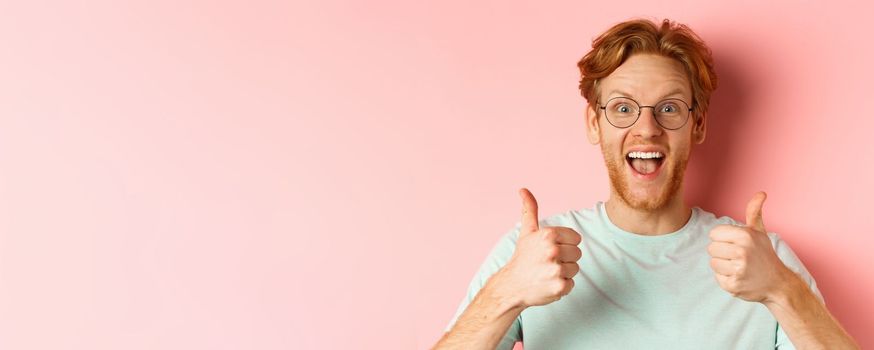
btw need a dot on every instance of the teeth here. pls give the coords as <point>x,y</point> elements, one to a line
<point>646,155</point>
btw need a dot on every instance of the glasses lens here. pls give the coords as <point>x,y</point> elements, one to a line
<point>622,112</point>
<point>671,114</point>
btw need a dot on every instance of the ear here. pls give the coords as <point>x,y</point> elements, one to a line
<point>593,130</point>
<point>699,128</point>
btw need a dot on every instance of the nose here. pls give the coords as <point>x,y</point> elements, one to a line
<point>646,125</point>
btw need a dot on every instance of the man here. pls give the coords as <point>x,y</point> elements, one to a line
<point>644,270</point>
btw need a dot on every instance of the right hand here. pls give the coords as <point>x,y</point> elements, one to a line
<point>544,263</point>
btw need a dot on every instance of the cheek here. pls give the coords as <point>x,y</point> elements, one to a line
<point>611,149</point>
<point>612,140</point>
<point>681,150</point>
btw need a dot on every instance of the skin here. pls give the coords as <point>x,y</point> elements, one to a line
<point>742,257</point>
<point>745,265</point>
<point>642,206</point>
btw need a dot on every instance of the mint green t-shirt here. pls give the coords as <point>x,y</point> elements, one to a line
<point>641,292</point>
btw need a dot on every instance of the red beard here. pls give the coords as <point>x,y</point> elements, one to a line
<point>675,170</point>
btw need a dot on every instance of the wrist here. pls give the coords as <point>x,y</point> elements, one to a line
<point>786,290</point>
<point>502,294</point>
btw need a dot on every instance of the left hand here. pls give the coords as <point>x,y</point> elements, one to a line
<point>743,258</point>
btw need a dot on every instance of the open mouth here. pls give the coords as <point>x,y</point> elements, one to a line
<point>646,164</point>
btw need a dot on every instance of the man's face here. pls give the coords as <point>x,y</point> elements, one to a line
<point>648,183</point>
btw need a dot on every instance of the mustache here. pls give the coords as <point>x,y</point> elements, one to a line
<point>646,144</point>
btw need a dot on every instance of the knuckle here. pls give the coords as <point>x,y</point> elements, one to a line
<point>556,271</point>
<point>550,234</point>
<point>553,252</point>
<point>733,285</point>
<point>553,271</point>
<point>558,288</point>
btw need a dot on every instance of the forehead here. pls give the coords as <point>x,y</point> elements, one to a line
<point>647,78</point>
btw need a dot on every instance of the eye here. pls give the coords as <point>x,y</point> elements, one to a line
<point>623,108</point>
<point>669,108</point>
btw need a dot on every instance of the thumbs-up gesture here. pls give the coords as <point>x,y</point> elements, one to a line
<point>743,258</point>
<point>544,263</point>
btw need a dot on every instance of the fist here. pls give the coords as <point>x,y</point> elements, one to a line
<point>743,259</point>
<point>544,263</point>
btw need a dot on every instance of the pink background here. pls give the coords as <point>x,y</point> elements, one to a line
<point>266,175</point>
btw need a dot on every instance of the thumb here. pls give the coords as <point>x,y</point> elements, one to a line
<point>529,212</point>
<point>754,211</point>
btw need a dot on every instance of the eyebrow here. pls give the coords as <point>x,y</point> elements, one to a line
<point>677,91</point>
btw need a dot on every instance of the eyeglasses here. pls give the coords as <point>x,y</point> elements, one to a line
<point>623,112</point>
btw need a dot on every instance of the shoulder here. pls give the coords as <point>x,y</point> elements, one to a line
<point>709,220</point>
<point>573,218</point>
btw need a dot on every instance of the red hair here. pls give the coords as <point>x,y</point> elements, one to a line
<point>671,39</point>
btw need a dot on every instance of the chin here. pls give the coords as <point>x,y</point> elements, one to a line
<point>650,194</point>
<point>644,200</point>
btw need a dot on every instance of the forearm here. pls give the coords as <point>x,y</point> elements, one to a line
<point>805,319</point>
<point>485,321</point>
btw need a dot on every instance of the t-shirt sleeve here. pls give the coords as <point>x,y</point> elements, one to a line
<point>793,263</point>
<point>497,258</point>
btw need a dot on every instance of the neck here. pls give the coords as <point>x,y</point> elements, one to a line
<point>669,218</point>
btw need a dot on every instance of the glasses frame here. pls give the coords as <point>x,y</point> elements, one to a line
<point>640,110</point>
